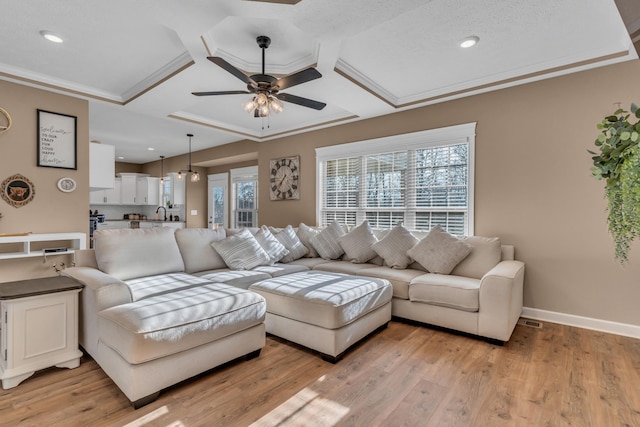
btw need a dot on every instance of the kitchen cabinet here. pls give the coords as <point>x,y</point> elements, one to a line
<point>156,224</point>
<point>128,189</point>
<point>110,196</point>
<point>102,165</point>
<point>110,225</point>
<point>148,191</point>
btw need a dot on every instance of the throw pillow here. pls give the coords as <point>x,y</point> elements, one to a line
<point>439,252</point>
<point>197,252</point>
<point>394,245</point>
<point>486,252</point>
<point>290,240</point>
<point>357,244</point>
<point>271,245</point>
<point>241,251</point>
<point>326,242</point>
<point>305,233</point>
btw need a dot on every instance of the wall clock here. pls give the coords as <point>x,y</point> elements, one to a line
<point>285,178</point>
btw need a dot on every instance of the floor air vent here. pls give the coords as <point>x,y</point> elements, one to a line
<point>530,323</point>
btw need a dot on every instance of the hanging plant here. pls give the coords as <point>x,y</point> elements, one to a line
<point>618,163</point>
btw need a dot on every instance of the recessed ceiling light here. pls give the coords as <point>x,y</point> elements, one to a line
<point>150,148</point>
<point>52,37</point>
<point>120,158</point>
<point>469,41</point>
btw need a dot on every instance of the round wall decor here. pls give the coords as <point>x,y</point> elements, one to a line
<point>17,190</point>
<point>66,185</point>
<point>5,120</point>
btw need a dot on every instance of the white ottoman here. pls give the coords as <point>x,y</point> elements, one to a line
<point>327,312</point>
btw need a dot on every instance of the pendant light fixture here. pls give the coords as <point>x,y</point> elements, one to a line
<point>161,169</point>
<point>195,176</point>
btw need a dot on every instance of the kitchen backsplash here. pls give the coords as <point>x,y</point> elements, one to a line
<point>118,211</point>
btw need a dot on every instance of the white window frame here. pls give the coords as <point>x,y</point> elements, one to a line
<point>451,135</point>
<point>238,175</point>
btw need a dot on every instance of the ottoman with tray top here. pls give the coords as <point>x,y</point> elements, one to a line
<point>327,312</point>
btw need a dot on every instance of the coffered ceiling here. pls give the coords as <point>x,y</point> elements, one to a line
<point>137,62</point>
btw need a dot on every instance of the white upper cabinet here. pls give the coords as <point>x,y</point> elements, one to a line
<point>128,189</point>
<point>102,166</point>
<point>148,190</point>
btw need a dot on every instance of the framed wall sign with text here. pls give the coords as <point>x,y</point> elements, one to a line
<point>57,140</point>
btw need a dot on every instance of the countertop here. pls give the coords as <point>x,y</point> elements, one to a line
<point>141,220</point>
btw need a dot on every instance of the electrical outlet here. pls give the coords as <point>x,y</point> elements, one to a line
<point>194,212</point>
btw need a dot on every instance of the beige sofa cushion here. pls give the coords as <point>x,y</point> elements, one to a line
<point>238,278</point>
<point>149,286</point>
<point>197,252</point>
<point>439,252</point>
<point>486,253</point>
<point>344,267</point>
<point>457,292</point>
<point>328,300</point>
<point>399,279</point>
<point>137,252</point>
<point>167,324</point>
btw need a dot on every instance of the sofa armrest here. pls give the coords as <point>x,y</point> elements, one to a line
<point>501,291</point>
<point>108,290</point>
<point>100,291</point>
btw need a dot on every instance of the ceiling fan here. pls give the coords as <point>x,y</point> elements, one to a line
<point>267,88</point>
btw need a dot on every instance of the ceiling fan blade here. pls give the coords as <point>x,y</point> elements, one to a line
<point>231,69</point>
<point>224,92</point>
<point>305,102</point>
<point>297,78</point>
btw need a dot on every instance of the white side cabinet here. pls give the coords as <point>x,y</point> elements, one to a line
<point>39,327</point>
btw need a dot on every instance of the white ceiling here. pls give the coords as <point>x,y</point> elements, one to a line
<point>137,62</point>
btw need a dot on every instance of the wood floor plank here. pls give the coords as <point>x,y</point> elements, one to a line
<point>405,375</point>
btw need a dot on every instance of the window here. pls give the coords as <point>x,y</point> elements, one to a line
<point>218,200</point>
<point>245,197</point>
<point>422,179</point>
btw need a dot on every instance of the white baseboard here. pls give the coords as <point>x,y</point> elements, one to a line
<point>623,329</point>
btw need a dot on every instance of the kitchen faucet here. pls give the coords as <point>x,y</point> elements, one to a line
<point>165,211</point>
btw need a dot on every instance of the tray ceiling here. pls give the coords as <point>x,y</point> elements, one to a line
<point>138,62</point>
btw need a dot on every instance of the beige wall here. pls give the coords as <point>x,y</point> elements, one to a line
<point>533,185</point>
<point>51,210</point>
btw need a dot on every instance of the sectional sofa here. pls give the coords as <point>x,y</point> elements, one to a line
<point>162,305</point>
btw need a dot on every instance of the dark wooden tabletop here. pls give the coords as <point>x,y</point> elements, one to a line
<point>40,286</point>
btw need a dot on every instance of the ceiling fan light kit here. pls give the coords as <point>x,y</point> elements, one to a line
<point>266,88</point>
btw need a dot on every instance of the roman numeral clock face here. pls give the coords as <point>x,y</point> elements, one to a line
<point>285,177</point>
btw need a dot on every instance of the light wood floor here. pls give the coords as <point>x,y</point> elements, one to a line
<point>405,375</point>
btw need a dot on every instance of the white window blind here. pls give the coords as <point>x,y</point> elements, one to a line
<point>244,182</point>
<point>422,179</point>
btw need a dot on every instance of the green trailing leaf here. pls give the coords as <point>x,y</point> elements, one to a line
<point>618,161</point>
